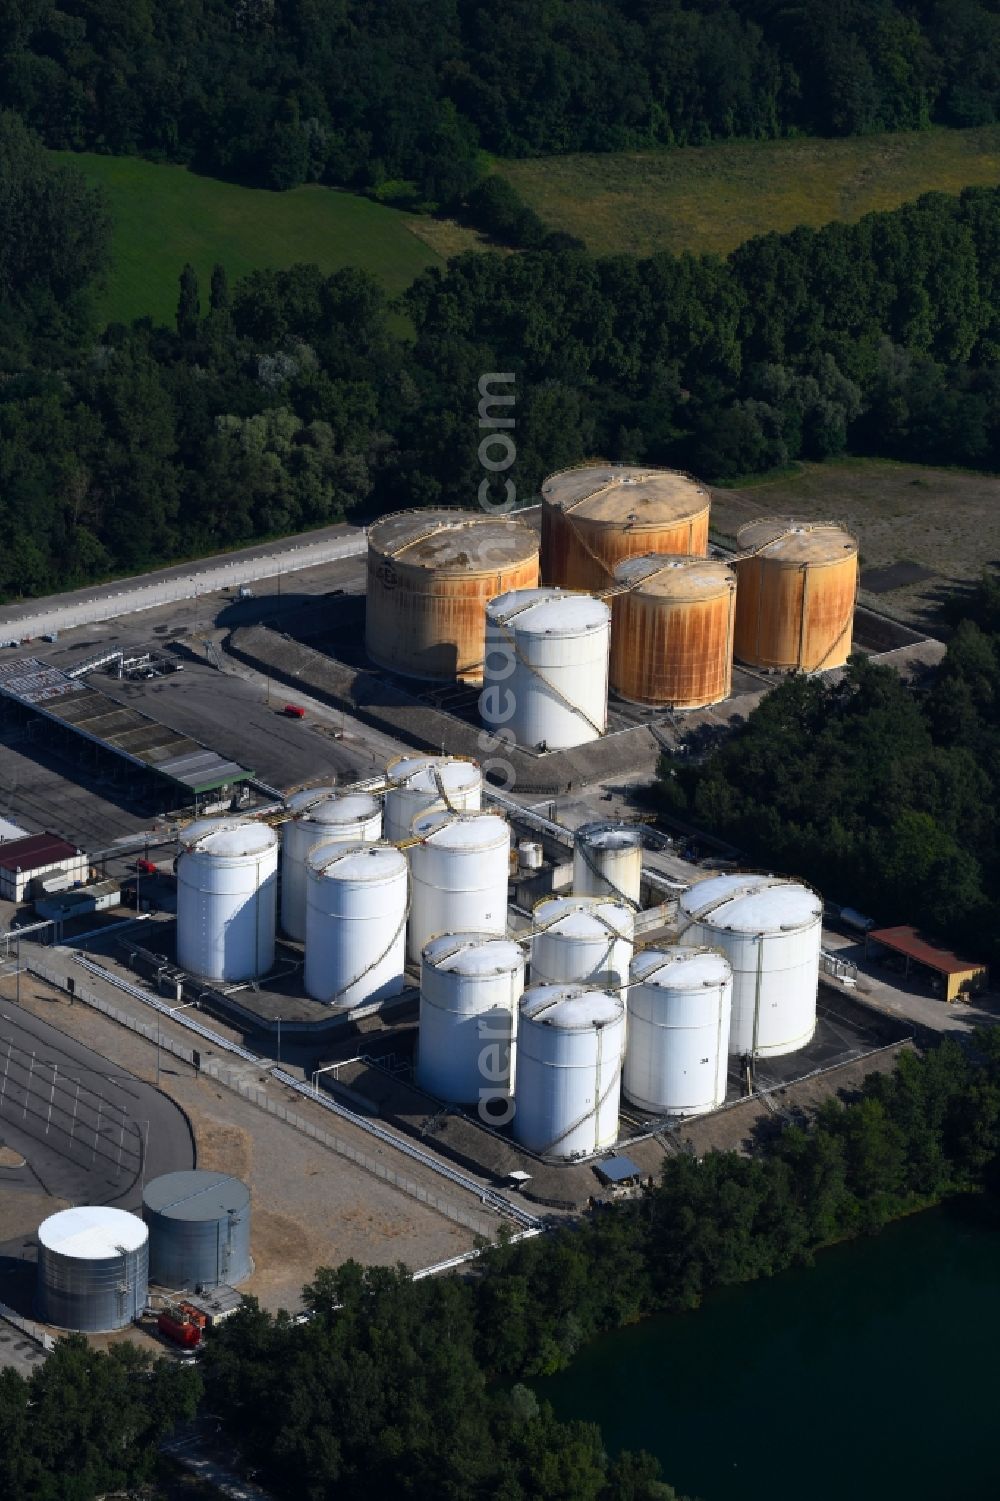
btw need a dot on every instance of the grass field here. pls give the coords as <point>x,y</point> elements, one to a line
<point>164,216</point>
<point>714,197</point>
<point>945,519</point>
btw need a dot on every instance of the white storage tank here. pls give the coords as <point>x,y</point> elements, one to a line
<point>355,923</point>
<point>582,938</point>
<point>420,784</point>
<point>679,1005</point>
<point>546,672</point>
<point>607,861</point>
<point>93,1269</point>
<point>567,1090</point>
<point>227,886</point>
<point>470,987</point>
<point>320,814</point>
<point>769,928</point>
<point>458,876</point>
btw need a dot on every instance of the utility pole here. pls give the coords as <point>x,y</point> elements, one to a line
<point>279,1040</point>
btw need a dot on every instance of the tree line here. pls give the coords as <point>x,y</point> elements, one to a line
<point>380,93</point>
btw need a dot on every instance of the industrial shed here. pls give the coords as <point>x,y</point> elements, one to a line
<point>958,976</point>
<point>21,860</point>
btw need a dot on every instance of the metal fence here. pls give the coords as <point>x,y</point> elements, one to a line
<point>31,1330</point>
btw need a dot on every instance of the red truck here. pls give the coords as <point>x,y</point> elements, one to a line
<point>294,711</point>
<point>145,867</point>
<point>181,1331</point>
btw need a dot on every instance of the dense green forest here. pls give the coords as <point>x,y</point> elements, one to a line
<point>402,1388</point>
<point>365,92</point>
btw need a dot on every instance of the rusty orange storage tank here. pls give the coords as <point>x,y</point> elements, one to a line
<point>596,514</point>
<point>797,588</point>
<point>672,630</point>
<point>430,575</point>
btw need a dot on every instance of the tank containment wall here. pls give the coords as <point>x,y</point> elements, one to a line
<point>470,987</point>
<point>582,938</point>
<point>679,1007</point>
<point>796,595</point>
<point>459,867</point>
<point>356,908</point>
<point>227,885</point>
<point>199,1229</point>
<point>607,861</point>
<point>93,1269</point>
<point>570,1044</point>
<point>421,784</point>
<point>672,631</point>
<point>320,814</point>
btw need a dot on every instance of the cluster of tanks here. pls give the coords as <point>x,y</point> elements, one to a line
<point>620,593</point>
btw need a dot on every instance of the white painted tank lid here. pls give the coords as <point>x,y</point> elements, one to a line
<point>584,917</point>
<point>233,840</point>
<point>749,902</point>
<point>571,1008</point>
<point>356,862</point>
<point>354,807</point>
<point>680,968</point>
<point>609,836</point>
<point>92,1232</point>
<point>549,612</point>
<point>297,802</point>
<point>418,773</point>
<point>461,831</point>
<point>473,954</point>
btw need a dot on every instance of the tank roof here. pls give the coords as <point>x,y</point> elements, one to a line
<point>195,1195</point>
<point>356,862</point>
<point>549,612</point>
<point>613,494</point>
<point>453,541</point>
<point>571,1008</point>
<point>352,808</point>
<point>748,902</point>
<point>584,917</point>
<point>676,577</point>
<point>682,967</point>
<point>232,840</point>
<point>92,1232</point>
<point>418,772</point>
<point>297,802</point>
<point>609,836</point>
<point>788,540</point>
<point>461,831</point>
<point>473,953</point>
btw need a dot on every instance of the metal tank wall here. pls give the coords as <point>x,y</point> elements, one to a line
<point>430,574</point>
<point>356,908</point>
<point>93,1269</point>
<point>596,514</point>
<point>353,818</point>
<point>796,595</point>
<point>769,929</point>
<point>412,788</point>
<point>570,1045</point>
<point>672,631</point>
<point>470,987</point>
<point>459,870</point>
<point>607,861</point>
<point>582,938</point>
<point>546,676</point>
<point>199,1229</point>
<point>227,883</point>
<point>679,1008</point>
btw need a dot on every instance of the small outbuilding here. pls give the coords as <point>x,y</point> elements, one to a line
<point>958,976</point>
<point>618,1172</point>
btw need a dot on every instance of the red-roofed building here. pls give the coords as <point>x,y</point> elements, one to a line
<point>958,975</point>
<point>22,860</point>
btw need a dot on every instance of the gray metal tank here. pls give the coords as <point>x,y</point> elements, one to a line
<point>199,1229</point>
<point>93,1267</point>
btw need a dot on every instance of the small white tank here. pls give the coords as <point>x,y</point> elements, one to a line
<point>227,886</point>
<point>679,1006</point>
<point>530,855</point>
<point>320,814</point>
<point>545,678</point>
<point>355,923</point>
<point>421,784</point>
<point>582,938</point>
<point>470,986</point>
<point>607,861</point>
<point>458,876</point>
<point>570,1045</point>
<point>769,928</point>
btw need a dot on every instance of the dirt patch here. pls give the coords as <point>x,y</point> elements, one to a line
<point>10,1158</point>
<point>222,1147</point>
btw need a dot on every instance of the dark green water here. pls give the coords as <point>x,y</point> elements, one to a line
<point>871,1376</point>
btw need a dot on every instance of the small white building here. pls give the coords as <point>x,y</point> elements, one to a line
<point>23,860</point>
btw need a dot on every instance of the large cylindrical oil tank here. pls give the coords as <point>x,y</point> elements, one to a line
<point>769,928</point>
<point>430,574</point>
<point>672,630</point>
<point>797,590</point>
<point>356,906</point>
<point>320,814</point>
<point>419,784</point>
<point>587,938</point>
<point>546,676</point>
<point>567,1092</point>
<point>93,1269</point>
<point>607,861</point>
<point>470,987</point>
<point>199,1229</point>
<point>227,884</point>
<point>596,514</point>
<point>459,867</point>
<point>679,1006</point>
